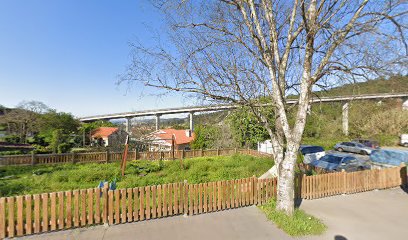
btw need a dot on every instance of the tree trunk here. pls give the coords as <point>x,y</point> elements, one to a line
<point>286,179</point>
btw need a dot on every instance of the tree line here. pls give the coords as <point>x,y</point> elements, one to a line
<point>45,129</point>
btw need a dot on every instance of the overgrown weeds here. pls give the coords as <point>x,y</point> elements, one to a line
<point>18,180</point>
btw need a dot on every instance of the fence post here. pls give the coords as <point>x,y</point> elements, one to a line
<point>218,152</point>
<point>202,153</point>
<point>105,202</point>
<point>182,154</point>
<point>185,208</point>
<point>136,153</point>
<point>73,157</point>
<point>33,158</point>
<point>343,172</point>
<point>404,177</point>
<point>107,157</point>
<point>253,190</point>
<point>303,188</point>
<point>236,150</point>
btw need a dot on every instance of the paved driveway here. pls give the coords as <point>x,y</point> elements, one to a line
<point>370,215</point>
<point>240,224</point>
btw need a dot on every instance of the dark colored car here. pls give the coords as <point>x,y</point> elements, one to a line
<point>338,162</point>
<point>309,153</point>
<point>368,143</point>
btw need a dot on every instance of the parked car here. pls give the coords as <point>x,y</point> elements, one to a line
<point>404,140</point>
<point>311,153</point>
<point>353,147</point>
<point>338,162</point>
<point>367,143</point>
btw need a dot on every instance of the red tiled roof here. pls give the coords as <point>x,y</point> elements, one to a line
<point>103,132</point>
<point>179,135</point>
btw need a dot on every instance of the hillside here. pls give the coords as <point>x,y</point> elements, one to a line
<point>396,84</point>
<point>368,119</point>
<point>392,85</point>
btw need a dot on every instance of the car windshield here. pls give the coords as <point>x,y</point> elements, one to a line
<point>349,160</point>
<point>309,150</point>
<point>331,159</point>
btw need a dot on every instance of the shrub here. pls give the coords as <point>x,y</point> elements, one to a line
<point>15,152</point>
<point>64,148</point>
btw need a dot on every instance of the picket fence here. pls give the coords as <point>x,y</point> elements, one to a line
<point>39,213</point>
<point>34,159</point>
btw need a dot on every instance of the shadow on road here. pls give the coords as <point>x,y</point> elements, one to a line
<point>405,189</point>
<point>298,201</point>
<point>339,237</point>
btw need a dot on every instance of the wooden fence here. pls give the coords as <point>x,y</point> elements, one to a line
<point>34,159</point>
<point>335,183</point>
<point>38,213</point>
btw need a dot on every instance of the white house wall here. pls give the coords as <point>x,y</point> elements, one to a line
<point>265,147</point>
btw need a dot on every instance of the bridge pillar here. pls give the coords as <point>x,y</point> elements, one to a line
<point>129,125</point>
<point>191,121</point>
<point>157,121</point>
<point>345,115</point>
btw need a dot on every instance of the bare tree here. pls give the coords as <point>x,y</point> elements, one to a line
<point>23,119</point>
<point>249,52</point>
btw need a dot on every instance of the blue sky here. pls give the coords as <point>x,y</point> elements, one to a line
<point>68,54</point>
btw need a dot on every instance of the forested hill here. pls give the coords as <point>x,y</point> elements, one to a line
<point>396,84</point>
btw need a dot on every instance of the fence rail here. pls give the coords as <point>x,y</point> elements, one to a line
<point>34,159</point>
<point>335,183</point>
<point>38,213</point>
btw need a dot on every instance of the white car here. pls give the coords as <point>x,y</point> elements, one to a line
<point>404,140</point>
<point>311,153</point>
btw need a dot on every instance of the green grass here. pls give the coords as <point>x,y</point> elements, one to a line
<point>19,180</point>
<point>326,143</point>
<point>394,84</point>
<point>300,224</point>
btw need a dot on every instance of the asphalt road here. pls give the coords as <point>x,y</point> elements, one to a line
<point>369,215</point>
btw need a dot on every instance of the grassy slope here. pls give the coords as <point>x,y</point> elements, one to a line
<point>37,179</point>
<point>324,125</point>
<point>300,224</point>
<point>394,84</point>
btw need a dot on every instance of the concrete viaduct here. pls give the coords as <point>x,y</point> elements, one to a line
<point>210,108</point>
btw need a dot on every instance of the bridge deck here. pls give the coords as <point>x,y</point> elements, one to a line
<point>209,108</point>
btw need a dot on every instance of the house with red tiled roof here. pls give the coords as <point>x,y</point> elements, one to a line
<point>108,136</point>
<point>163,139</point>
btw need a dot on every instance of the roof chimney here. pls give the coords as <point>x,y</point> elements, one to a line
<point>188,133</point>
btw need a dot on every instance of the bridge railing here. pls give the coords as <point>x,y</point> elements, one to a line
<point>207,108</point>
